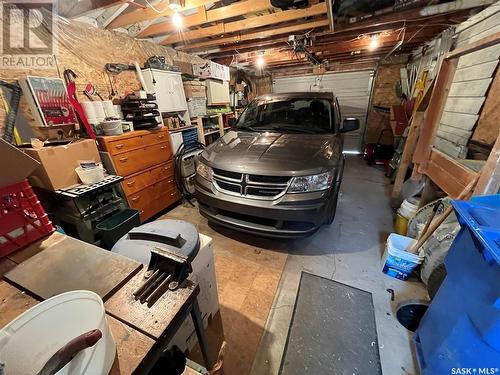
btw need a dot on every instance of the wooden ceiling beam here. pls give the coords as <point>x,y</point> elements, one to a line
<point>256,35</point>
<point>236,9</point>
<point>250,23</point>
<point>73,9</point>
<point>140,15</point>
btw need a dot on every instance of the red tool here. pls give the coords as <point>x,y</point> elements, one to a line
<point>69,77</point>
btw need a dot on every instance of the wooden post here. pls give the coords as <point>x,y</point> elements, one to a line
<point>489,181</point>
<point>411,141</point>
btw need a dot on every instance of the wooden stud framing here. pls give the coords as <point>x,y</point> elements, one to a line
<point>256,35</point>
<point>204,16</point>
<point>246,24</point>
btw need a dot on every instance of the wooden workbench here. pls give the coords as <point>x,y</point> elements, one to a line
<point>140,333</point>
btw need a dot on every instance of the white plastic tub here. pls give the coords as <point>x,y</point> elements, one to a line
<point>28,342</point>
<point>409,208</point>
<point>112,127</point>
<point>90,175</point>
<point>397,262</point>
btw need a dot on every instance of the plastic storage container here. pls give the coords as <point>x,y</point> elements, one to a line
<point>22,218</point>
<point>90,175</point>
<point>461,328</point>
<point>28,342</point>
<point>399,263</point>
<point>118,225</point>
<point>112,127</point>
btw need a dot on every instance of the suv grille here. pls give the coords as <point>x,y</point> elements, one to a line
<point>251,185</point>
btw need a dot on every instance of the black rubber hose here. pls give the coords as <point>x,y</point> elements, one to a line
<point>181,182</point>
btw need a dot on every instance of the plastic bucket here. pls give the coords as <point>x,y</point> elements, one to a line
<point>113,127</point>
<point>397,262</point>
<point>28,342</point>
<point>401,224</point>
<point>408,208</point>
<point>118,225</point>
<point>90,175</point>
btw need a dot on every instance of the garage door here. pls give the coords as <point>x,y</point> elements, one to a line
<point>352,90</point>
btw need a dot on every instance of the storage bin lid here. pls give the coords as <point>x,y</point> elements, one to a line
<point>482,215</point>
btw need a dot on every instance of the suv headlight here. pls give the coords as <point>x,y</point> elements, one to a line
<point>205,171</point>
<point>315,182</point>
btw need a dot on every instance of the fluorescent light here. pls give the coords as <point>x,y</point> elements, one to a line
<point>260,62</point>
<point>177,20</point>
<point>374,42</point>
<point>351,152</point>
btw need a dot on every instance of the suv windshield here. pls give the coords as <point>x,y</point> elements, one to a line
<point>287,116</point>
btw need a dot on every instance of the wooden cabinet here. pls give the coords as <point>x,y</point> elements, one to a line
<point>217,92</point>
<point>144,159</point>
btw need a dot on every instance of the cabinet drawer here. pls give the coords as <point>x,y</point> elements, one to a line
<point>165,187</point>
<point>124,145</point>
<point>169,198</point>
<point>129,162</point>
<point>163,171</point>
<point>140,201</point>
<point>156,154</point>
<point>154,138</point>
<point>136,183</point>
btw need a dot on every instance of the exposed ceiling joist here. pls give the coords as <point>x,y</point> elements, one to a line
<point>257,35</point>
<point>140,15</point>
<point>202,16</point>
<point>249,23</point>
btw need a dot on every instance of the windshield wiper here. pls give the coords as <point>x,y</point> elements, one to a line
<point>290,128</point>
<point>247,128</point>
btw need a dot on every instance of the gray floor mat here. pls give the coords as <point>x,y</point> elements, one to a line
<point>332,331</point>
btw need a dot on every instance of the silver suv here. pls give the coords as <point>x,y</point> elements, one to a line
<point>277,172</point>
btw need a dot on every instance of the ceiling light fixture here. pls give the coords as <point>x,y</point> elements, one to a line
<point>374,42</point>
<point>176,5</point>
<point>177,20</point>
<point>260,62</point>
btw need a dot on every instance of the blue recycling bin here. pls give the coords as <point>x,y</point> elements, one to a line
<point>461,328</point>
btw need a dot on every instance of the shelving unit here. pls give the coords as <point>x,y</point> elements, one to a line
<point>208,136</point>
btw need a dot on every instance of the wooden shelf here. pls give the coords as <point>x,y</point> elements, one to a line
<point>212,132</point>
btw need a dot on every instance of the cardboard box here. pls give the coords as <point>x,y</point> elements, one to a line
<point>58,163</point>
<point>212,70</point>
<point>194,89</point>
<point>14,164</point>
<point>197,107</point>
<point>184,66</point>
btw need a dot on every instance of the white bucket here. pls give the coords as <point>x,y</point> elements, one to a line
<point>112,127</point>
<point>397,262</point>
<point>408,208</point>
<point>100,115</point>
<point>88,108</point>
<point>90,175</point>
<point>30,340</point>
<point>109,108</point>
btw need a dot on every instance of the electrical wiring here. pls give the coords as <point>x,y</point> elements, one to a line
<point>153,8</point>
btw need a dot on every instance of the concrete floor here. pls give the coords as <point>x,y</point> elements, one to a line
<point>348,251</point>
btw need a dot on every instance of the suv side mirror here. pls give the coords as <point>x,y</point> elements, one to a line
<point>350,124</point>
<point>232,122</point>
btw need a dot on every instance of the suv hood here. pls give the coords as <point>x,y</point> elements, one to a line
<point>272,153</point>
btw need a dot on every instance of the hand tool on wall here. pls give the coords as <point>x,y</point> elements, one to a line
<point>69,77</point>
<point>91,91</point>
<point>11,109</point>
<point>112,94</point>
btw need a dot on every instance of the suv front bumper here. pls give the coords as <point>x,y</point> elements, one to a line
<point>290,216</point>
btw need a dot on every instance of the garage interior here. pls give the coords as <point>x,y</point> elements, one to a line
<point>250,187</point>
